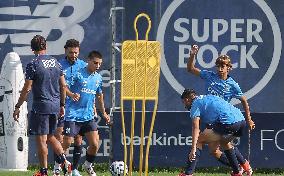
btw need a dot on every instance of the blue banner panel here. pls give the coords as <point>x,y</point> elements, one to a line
<point>171,140</point>
<point>250,32</point>
<point>267,141</point>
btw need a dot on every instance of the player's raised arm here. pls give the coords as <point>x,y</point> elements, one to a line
<point>191,62</point>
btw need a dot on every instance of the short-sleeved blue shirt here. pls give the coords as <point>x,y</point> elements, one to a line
<point>87,85</point>
<point>226,89</point>
<point>69,71</point>
<point>211,109</point>
<point>45,71</point>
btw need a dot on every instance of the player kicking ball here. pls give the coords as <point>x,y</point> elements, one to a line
<point>227,123</point>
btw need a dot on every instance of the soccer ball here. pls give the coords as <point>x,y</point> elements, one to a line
<point>117,168</point>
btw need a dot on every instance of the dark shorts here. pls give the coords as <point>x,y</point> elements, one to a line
<point>74,128</point>
<point>235,129</point>
<point>209,126</point>
<point>42,124</point>
<point>60,122</point>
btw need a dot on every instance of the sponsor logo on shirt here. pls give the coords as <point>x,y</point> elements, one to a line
<point>88,91</point>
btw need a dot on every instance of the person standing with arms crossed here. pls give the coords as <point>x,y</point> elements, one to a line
<point>44,77</point>
<point>224,86</point>
<point>71,64</point>
<point>79,118</point>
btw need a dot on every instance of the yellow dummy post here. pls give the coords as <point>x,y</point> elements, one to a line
<point>140,75</point>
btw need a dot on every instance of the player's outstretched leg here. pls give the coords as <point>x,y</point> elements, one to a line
<point>245,165</point>
<point>231,155</point>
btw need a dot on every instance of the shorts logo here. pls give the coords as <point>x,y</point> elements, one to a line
<point>68,130</point>
<point>243,37</point>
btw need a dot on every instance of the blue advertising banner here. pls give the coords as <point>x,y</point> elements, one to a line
<point>250,32</point>
<point>171,140</point>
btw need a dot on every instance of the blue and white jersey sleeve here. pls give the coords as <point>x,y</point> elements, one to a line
<point>237,92</point>
<point>30,71</point>
<point>100,84</point>
<point>195,110</point>
<point>60,67</point>
<point>81,64</point>
<point>71,82</point>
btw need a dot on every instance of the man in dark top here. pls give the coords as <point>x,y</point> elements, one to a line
<point>45,78</point>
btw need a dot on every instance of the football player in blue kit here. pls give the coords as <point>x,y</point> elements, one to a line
<point>227,123</point>
<point>45,78</point>
<point>71,64</point>
<point>79,118</point>
<point>224,86</point>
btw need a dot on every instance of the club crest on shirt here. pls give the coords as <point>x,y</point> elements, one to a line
<point>227,87</point>
<point>84,83</point>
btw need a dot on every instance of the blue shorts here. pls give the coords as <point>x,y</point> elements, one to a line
<point>42,124</point>
<point>235,129</point>
<point>60,122</point>
<point>72,128</point>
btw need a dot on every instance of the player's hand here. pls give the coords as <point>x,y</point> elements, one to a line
<point>107,118</point>
<point>16,114</point>
<point>192,155</point>
<point>251,124</point>
<point>75,97</point>
<point>194,50</point>
<point>62,111</point>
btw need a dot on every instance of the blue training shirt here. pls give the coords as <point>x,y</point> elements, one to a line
<point>45,71</point>
<point>87,85</point>
<point>69,71</point>
<point>226,89</point>
<point>211,108</point>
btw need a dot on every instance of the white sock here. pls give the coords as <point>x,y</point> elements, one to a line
<point>56,165</point>
<point>87,163</point>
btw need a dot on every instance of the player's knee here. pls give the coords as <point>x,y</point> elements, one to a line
<point>94,145</point>
<point>78,141</point>
<point>67,141</point>
<point>214,153</point>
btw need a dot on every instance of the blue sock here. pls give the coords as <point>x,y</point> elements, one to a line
<point>240,157</point>
<point>76,156</point>
<point>231,156</point>
<point>223,159</point>
<point>190,165</point>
